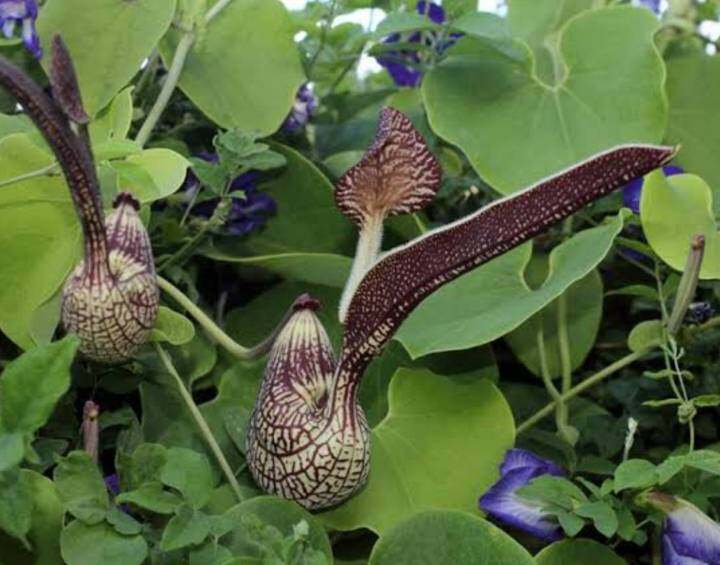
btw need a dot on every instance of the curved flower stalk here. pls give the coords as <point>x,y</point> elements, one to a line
<point>689,537</point>
<point>397,175</point>
<point>503,503</point>
<point>111,298</point>
<point>308,438</point>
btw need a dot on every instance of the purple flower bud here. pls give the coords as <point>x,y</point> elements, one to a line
<point>302,110</point>
<point>23,13</point>
<point>502,503</point>
<point>112,483</point>
<point>654,5</point>
<point>401,64</point>
<point>700,312</point>
<point>632,192</point>
<point>689,537</point>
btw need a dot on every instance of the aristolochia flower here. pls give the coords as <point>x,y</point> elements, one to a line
<point>632,191</point>
<point>689,536</point>
<point>302,110</point>
<point>504,504</point>
<point>23,13</point>
<point>403,64</point>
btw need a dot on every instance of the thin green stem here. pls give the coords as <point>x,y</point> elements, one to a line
<point>200,422</point>
<point>215,332</point>
<point>565,362</point>
<point>216,9</point>
<point>171,80</point>
<point>581,387</point>
<point>43,172</point>
<point>560,408</point>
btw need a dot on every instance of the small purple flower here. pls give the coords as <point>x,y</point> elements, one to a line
<point>112,483</point>
<point>302,110</point>
<point>247,213</point>
<point>632,191</point>
<point>700,312</point>
<point>502,503</point>
<point>402,64</point>
<point>689,537</point>
<point>654,5</point>
<point>24,13</point>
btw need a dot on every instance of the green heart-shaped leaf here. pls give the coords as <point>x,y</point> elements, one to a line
<point>516,129</point>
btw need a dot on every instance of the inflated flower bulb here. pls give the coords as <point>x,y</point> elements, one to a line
<point>308,438</point>
<point>111,298</point>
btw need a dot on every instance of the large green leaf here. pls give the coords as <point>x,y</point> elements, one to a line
<point>439,447</point>
<point>108,40</point>
<point>307,239</point>
<point>281,514</point>
<point>41,238</point>
<point>694,121</point>
<point>32,384</point>
<point>446,537</point>
<point>539,25</point>
<point>494,299</point>
<point>46,521</point>
<point>81,487</point>
<point>245,69</point>
<point>89,545</point>
<point>583,313</point>
<point>672,210</point>
<point>516,129</point>
<point>576,551</point>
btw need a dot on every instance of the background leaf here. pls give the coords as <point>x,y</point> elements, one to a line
<point>248,84</point>
<point>439,447</point>
<point>445,537</point>
<point>517,129</point>
<point>108,40</point>
<point>494,299</point>
<point>575,551</point>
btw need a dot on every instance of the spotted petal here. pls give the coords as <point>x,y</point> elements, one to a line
<point>402,278</point>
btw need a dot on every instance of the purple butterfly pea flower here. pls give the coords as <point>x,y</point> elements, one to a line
<point>632,191</point>
<point>689,537</point>
<point>112,483</point>
<point>654,5</point>
<point>302,110</point>
<point>503,503</point>
<point>247,214</point>
<point>23,13</point>
<point>401,64</point>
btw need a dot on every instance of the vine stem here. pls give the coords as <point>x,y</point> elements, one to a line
<point>173,76</point>
<point>171,80</point>
<point>583,386</point>
<point>223,339</point>
<point>43,172</point>
<point>200,422</point>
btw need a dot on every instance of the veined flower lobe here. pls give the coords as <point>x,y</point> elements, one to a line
<point>397,175</point>
<point>308,438</point>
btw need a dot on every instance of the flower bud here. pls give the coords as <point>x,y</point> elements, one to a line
<point>111,301</point>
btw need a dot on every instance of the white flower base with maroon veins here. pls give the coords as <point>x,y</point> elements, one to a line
<point>308,438</point>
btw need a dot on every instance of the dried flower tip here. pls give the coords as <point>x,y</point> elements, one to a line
<point>90,429</point>
<point>63,80</point>
<point>397,175</point>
